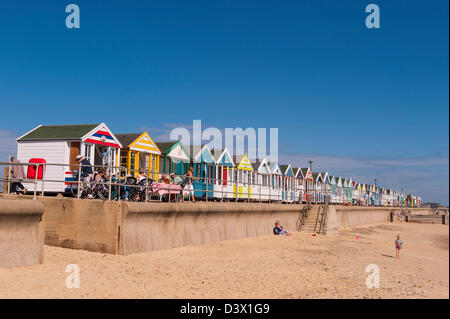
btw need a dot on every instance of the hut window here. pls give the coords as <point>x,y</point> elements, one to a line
<point>88,152</point>
<point>132,161</point>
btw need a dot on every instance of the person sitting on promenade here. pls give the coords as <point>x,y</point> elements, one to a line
<point>141,176</point>
<point>164,179</point>
<point>176,179</point>
<point>17,174</point>
<point>280,229</point>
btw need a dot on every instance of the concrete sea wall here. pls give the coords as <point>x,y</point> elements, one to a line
<point>343,217</point>
<point>21,233</point>
<point>128,228</point>
<point>151,226</point>
<point>92,225</point>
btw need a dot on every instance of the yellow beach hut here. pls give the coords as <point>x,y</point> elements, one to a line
<point>139,151</point>
<point>242,177</point>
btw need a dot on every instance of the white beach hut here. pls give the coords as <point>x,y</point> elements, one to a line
<point>60,144</point>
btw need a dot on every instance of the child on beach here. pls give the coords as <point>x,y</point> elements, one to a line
<point>398,246</point>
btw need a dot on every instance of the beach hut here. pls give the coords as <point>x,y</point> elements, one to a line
<point>242,188</point>
<point>333,190</point>
<point>325,186</point>
<point>344,190</point>
<point>339,190</point>
<point>356,194</point>
<point>174,158</point>
<point>349,192</point>
<point>223,185</point>
<point>203,163</point>
<point>308,184</point>
<point>365,194</point>
<point>384,197</point>
<point>60,144</point>
<point>288,181</point>
<point>317,194</point>
<point>354,189</point>
<point>299,185</point>
<point>139,151</point>
<point>262,187</point>
<point>276,181</point>
<point>388,197</point>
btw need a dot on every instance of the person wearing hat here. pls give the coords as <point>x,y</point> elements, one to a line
<point>86,169</point>
<point>176,179</point>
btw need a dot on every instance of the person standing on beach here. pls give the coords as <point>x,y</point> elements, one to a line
<point>398,246</point>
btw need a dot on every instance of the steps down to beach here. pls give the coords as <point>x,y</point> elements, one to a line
<point>309,225</point>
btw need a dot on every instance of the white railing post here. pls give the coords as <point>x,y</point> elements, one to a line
<point>44,167</point>
<point>109,182</point>
<point>79,182</point>
<point>35,179</point>
<point>9,178</point>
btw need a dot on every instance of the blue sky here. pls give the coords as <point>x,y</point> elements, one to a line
<point>360,102</point>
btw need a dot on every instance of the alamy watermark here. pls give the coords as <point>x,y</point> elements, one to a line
<point>73,19</point>
<point>373,19</point>
<point>373,279</point>
<point>250,141</point>
<point>73,280</point>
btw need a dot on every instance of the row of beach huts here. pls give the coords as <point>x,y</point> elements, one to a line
<point>222,175</point>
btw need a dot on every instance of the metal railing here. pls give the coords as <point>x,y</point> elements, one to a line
<point>115,179</point>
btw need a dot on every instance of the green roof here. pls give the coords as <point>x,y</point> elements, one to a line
<point>59,132</point>
<point>283,168</point>
<point>165,147</point>
<point>304,171</point>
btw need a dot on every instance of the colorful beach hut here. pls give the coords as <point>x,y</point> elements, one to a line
<point>325,191</point>
<point>203,163</point>
<point>243,177</point>
<point>276,181</point>
<point>288,183</point>
<point>308,184</point>
<point>223,185</point>
<point>174,158</point>
<point>139,151</point>
<point>60,144</point>
<point>262,187</point>
<point>299,185</point>
<point>317,195</point>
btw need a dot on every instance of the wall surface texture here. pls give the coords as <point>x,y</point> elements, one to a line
<point>151,226</point>
<point>21,233</point>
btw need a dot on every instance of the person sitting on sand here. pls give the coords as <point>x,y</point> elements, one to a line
<point>281,230</point>
<point>398,246</point>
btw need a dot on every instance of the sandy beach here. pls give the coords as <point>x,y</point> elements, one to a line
<point>300,266</point>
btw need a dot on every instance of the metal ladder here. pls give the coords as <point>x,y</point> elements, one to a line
<point>321,218</point>
<point>302,216</point>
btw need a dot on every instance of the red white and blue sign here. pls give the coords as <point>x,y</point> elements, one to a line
<point>102,137</point>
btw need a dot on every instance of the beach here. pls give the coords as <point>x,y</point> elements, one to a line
<point>297,266</point>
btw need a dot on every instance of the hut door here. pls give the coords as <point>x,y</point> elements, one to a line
<point>144,161</point>
<point>225,175</point>
<point>74,151</point>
